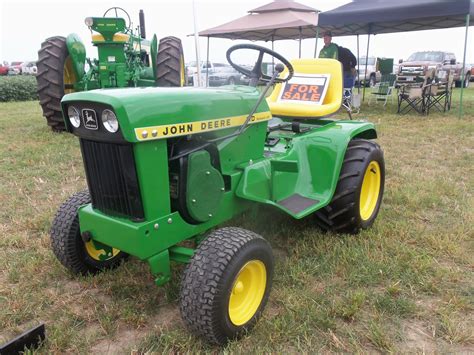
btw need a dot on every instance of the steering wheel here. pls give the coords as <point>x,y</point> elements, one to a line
<point>115,8</point>
<point>256,73</point>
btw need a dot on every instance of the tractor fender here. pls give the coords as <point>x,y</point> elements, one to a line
<point>77,51</point>
<point>304,179</point>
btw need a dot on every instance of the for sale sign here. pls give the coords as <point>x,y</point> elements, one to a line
<point>307,88</point>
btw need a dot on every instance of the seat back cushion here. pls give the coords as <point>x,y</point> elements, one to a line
<point>314,91</point>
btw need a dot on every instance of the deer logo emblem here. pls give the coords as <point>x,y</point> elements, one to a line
<point>90,119</point>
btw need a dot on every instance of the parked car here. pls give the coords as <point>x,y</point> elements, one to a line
<point>267,69</point>
<point>420,63</point>
<point>472,72</point>
<point>3,69</point>
<point>15,68</point>
<point>29,68</point>
<point>191,69</point>
<point>224,76</point>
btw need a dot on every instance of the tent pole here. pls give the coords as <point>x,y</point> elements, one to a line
<point>300,43</point>
<point>273,58</point>
<point>358,66</point>
<point>196,43</point>
<point>464,65</point>
<point>366,61</point>
<point>207,63</point>
<point>316,43</point>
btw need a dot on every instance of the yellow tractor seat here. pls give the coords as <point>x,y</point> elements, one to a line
<point>118,37</point>
<point>314,91</point>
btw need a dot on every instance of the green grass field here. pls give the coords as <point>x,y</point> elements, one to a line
<point>405,285</point>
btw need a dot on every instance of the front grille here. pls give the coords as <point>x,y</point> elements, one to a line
<point>112,179</point>
<point>412,71</point>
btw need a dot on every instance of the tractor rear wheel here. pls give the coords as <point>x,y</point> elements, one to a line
<point>55,78</point>
<point>226,285</point>
<point>80,257</point>
<point>356,201</point>
<point>170,69</point>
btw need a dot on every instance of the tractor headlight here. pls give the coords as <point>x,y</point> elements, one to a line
<point>109,120</point>
<point>89,21</point>
<point>74,116</point>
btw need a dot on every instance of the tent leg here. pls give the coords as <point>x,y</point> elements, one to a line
<point>207,63</point>
<point>366,61</point>
<point>300,44</point>
<point>464,65</point>
<point>196,43</point>
<point>358,66</point>
<point>273,58</point>
<point>316,42</point>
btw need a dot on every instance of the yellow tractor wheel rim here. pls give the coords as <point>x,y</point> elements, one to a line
<point>247,292</point>
<point>69,77</point>
<point>370,191</point>
<point>182,69</point>
<point>99,251</point>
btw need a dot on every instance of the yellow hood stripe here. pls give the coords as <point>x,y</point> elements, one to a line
<point>183,129</point>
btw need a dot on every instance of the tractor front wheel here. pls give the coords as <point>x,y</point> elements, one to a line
<point>55,78</point>
<point>80,257</point>
<point>226,285</point>
<point>170,69</point>
<point>356,201</point>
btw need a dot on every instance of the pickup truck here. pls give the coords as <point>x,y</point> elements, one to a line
<point>373,75</point>
<point>419,63</point>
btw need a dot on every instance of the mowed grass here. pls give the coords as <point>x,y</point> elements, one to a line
<point>405,285</point>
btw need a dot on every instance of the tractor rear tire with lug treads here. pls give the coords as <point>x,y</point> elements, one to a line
<point>344,213</point>
<point>51,59</point>
<point>229,261</point>
<point>67,243</point>
<point>170,63</point>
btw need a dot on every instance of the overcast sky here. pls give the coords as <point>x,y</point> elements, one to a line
<point>25,24</point>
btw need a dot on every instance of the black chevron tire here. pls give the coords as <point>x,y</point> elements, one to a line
<point>170,63</point>
<point>51,62</point>
<point>212,278</point>
<point>344,213</point>
<point>67,243</point>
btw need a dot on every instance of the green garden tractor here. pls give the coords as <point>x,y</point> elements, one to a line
<point>165,166</point>
<point>126,59</point>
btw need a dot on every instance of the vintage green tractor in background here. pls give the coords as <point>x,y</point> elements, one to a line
<point>126,59</point>
<point>166,165</point>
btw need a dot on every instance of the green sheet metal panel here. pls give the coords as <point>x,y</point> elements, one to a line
<point>204,187</point>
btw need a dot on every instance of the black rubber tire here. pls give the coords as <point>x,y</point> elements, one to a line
<point>231,81</point>
<point>50,64</point>
<point>67,243</point>
<point>343,212</point>
<point>208,279</point>
<point>170,70</point>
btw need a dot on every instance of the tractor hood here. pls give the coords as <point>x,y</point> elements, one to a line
<point>419,63</point>
<point>154,112</point>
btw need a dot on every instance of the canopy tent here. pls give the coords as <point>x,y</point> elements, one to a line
<point>284,19</point>
<point>278,20</point>
<point>387,16</point>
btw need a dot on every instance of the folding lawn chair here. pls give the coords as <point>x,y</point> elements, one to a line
<point>438,95</point>
<point>383,90</point>
<point>411,97</point>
